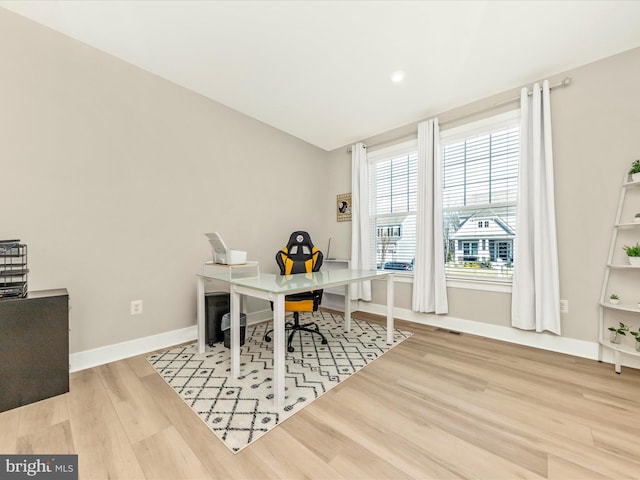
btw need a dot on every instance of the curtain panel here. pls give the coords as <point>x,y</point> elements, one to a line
<point>360,251</point>
<point>429,279</point>
<point>536,285</point>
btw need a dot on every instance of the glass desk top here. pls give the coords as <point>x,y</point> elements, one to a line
<point>301,282</point>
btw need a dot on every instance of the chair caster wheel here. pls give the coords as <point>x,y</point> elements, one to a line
<point>290,349</point>
<point>267,338</point>
<point>324,341</point>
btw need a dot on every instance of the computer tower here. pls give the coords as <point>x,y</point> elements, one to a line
<point>216,305</point>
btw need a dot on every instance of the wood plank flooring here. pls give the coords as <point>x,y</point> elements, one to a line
<point>438,406</point>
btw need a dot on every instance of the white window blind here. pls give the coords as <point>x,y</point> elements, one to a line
<point>480,189</point>
<point>393,201</point>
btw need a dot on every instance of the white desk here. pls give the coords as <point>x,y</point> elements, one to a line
<point>274,288</point>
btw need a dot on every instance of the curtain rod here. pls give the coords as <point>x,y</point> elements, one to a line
<point>564,83</point>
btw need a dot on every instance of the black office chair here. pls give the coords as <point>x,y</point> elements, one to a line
<point>300,256</point>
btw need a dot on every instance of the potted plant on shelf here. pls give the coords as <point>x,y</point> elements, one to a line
<point>637,337</point>
<point>636,218</point>
<point>615,332</point>
<point>614,299</point>
<point>633,253</point>
<point>635,171</point>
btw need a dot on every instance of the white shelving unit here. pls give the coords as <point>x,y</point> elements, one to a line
<point>227,273</point>
<point>334,297</point>
<point>615,268</point>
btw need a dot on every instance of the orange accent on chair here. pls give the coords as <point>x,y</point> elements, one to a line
<point>300,256</point>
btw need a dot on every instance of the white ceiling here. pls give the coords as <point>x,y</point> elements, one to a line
<point>320,70</point>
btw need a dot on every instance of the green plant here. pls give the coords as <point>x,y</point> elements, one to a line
<point>636,335</point>
<point>637,215</point>
<point>621,330</point>
<point>633,251</point>
<point>635,167</point>
<point>614,297</point>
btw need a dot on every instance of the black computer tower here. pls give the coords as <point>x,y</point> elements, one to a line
<point>216,305</point>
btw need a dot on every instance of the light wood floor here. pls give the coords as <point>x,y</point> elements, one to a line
<point>438,406</point>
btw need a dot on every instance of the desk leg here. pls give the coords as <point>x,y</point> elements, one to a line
<point>390,298</point>
<point>235,333</point>
<point>347,308</point>
<point>200,315</point>
<point>278,352</point>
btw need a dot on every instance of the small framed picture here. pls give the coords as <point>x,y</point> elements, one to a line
<point>343,207</point>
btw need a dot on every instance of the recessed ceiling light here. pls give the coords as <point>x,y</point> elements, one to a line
<point>397,77</point>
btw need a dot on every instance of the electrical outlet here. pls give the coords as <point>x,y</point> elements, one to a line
<point>564,306</point>
<point>136,307</point>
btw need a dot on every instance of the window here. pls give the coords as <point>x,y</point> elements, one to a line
<point>390,231</point>
<point>470,250</point>
<point>480,182</point>
<point>393,197</point>
<point>480,164</point>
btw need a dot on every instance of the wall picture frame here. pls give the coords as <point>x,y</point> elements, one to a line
<point>343,207</point>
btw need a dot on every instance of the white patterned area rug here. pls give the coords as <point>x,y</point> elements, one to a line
<point>239,411</point>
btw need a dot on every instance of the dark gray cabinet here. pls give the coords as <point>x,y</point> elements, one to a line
<point>34,347</point>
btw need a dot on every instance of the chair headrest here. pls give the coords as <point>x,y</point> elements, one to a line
<point>299,239</point>
<point>300,255</point>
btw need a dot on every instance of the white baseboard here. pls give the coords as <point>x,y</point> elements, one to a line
<point>112,353</point>
<point>544,341</point>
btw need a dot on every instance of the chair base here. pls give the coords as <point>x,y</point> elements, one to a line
<point>296,327</point>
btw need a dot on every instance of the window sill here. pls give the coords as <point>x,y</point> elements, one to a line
<point>502,286</point>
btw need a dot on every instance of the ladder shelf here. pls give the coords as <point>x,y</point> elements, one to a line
<point>615,276</point>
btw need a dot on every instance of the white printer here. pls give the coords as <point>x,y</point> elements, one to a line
<point>223,255</point>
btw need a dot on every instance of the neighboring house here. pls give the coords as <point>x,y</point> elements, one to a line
<point>389,247</point>
<point>482,238</point>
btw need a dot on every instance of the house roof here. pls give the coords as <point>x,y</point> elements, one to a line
<point>497,228</point>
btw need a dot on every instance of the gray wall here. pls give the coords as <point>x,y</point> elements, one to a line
<point>596,136</point>
<point>111,175</point>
